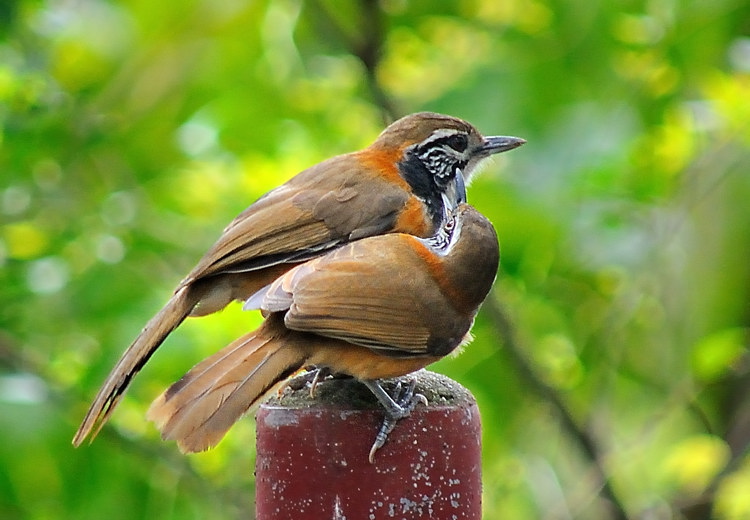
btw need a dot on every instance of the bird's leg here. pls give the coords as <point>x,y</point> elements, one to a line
<point>299,380</point>
<point>402,403</point>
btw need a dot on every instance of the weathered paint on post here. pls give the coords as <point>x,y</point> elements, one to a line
<point>312,456</point>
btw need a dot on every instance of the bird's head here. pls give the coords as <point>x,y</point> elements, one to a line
<point>438,154</point>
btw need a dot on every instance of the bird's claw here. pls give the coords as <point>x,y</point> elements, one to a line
<point>312,377</point>
<point>405,400</point>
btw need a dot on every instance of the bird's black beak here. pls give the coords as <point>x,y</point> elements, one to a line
<point>460,188</point>
<point>498,144</point>
<point>455,192</point>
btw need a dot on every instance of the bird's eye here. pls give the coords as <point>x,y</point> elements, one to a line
<point>458,142</point>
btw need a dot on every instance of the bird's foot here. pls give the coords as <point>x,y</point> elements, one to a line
<point>313,376</point>
<point>397,407</point>
<point>320,375</point>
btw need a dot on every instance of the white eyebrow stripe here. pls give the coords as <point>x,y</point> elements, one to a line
<point>441,134</point>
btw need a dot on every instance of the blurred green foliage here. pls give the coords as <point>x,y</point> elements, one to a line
<point>131,132</point>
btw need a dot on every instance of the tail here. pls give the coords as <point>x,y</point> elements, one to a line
<point>152,335</point>
<point>198,409</point>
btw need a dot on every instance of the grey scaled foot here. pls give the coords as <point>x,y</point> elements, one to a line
<point>402,403</point>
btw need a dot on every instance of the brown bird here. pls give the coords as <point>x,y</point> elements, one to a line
<point>402,183</point>
<point>376,308</point>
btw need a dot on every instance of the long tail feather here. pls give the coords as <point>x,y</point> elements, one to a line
<point>152,335</point>
<point>199,409</point>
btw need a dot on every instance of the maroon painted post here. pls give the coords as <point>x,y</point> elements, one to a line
<point>312,455</point>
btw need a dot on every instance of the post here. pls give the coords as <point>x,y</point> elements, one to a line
<point>312,455</point>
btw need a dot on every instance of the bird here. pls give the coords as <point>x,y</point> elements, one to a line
<point>379,307</point>
<point>404,182</point>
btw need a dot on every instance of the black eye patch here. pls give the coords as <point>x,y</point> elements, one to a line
<point>458,142</point>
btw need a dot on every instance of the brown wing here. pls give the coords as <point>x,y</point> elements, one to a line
<point>379,293</point>
<point>330,203</point>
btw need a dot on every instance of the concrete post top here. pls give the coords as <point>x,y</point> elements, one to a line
<point>439,390</point>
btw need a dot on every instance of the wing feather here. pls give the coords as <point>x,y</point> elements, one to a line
<point>317,210</point>
<point>368,293</point>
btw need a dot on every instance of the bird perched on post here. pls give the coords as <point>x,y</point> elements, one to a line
<point>375,308</point>
<point>404,182</point>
